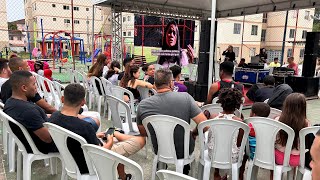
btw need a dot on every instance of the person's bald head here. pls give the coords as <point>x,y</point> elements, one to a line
<point>17,63</point>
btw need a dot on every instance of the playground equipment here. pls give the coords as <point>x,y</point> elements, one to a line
<point>104,42</point>
<point>57,43</point>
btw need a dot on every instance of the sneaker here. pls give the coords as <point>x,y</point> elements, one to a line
<point>128,177</point>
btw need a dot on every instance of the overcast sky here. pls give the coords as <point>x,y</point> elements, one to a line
<point>15,10</point>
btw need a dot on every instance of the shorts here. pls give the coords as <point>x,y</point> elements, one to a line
<point>279,156</point>
<point>92,122</point>
<point>126,148</point>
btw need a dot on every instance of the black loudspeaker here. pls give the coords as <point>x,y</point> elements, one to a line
<point>204,48</point>
<point>312,51</point>
<point>309,86</point>
<point>309,65</point>
<point>312,46</point>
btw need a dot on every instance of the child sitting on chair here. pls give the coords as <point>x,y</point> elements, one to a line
<point>230,100</point>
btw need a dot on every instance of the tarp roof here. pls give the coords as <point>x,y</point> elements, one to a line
<point>224,8</point>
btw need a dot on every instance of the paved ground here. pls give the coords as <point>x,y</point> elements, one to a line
<point>40,172</point>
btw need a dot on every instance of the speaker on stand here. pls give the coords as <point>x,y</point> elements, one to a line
<point>308,84</point>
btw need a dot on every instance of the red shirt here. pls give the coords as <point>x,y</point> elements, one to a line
<point>294,66</point>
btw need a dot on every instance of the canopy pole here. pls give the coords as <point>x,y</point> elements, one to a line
<point>212,46</point>
<point>284,38</point>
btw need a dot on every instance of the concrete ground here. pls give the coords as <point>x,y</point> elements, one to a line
<point>40,172</point>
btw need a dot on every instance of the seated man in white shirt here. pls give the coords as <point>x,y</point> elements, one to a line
<point>5,71</point>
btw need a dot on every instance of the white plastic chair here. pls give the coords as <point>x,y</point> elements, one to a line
<point>170,175</point>
<point>266,131</point>
<point>193,71</point>
<point>52,95</point>
<point>60,136</point>
<point>212,108</point>
<point>28,158</point>
<point>302,135</point>
<point>274,113</point>
<point>8,143</point>
<point>106,161</point>
<point>119,92</point>
<point>107,86</point>
<point>216,109</point>
<point>224,131</point>
<point>128,126</point>
<point>144,92</point>
<point>39,87</point>
<point>94,93</point>
<point>164,132</point>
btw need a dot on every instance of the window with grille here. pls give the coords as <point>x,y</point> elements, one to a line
<point>254,30</point>
<point>76,8</point>
<point>263,35</point>
<point>67,21</point>
<point>304,34</point>
<point>236,51</point>
<point>301,53</point>
<point>66,7</point>
<point>236,28</point>
<point>292,32</point>
<point>289,53</point>
<point>76,21</point>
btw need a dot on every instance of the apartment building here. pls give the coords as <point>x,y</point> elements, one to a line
<point>4,38</point>
<point>249,33</point>
<point>243,33</point>
<point>56,16</point>
<point>299,23</point>
<point>128,31</point>
<point>18,37</point>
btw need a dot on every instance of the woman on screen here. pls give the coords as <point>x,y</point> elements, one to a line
<point>171,41</point>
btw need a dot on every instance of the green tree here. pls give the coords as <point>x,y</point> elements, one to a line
<point>316,20</point>
<point>12,26</point>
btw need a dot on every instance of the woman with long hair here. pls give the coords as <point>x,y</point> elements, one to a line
<point>113,72</point>
<point>131,81</point>
<point>171,41</point>
<point>97,69</point>
<point>294,115</point>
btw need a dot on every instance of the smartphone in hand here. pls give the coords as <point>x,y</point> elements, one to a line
<point>109,132</point>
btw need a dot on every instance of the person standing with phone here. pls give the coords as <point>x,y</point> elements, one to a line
<point>229,54</point>
<point>68,118</point>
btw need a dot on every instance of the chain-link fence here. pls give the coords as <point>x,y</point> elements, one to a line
<point>47,26</point>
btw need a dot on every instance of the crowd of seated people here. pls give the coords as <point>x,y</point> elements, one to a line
<point>24,104</point>
<point>113,73</point>
<point>131,81</point>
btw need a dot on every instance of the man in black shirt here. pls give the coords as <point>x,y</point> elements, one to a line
<point>27,113</point>
<point>68,118</point>
<point>266,91</point>
<point>16,64</point>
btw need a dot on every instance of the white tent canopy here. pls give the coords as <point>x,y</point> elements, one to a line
<point>224,8</point>
<point>202,9</point>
